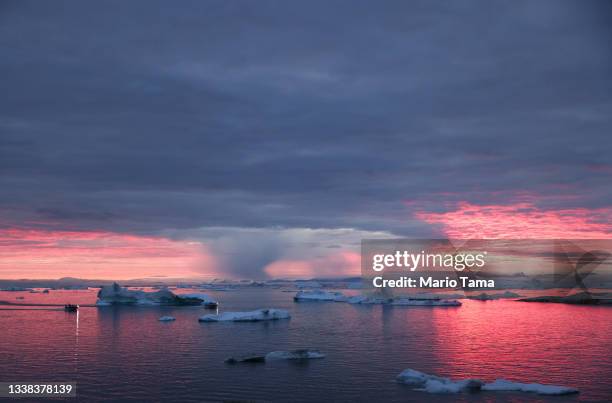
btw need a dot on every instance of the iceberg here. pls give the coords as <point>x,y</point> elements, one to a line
<point>14,289</point>
<point>307,284</point>
<point>116,295</point>
<point>301,354</point>
<point>246,358</point>
<point>319,295</point>
<point>206,299</point>
<point>504,385</point>
<point>436,384</point>
<point>425,302</point>
<point>357,299</point>
<point>581,298</point>
<point>488,297</point>
<point>362,299</point>
<point>402,301</point>
<point>167,318</point>
<point>252,316</point>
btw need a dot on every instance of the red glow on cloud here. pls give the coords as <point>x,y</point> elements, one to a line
<point>336,265</point>
<point>521,220</point>
<point>97,254</point>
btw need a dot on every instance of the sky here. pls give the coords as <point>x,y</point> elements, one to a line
<point>239,139</point>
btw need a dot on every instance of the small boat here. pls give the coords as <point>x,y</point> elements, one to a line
<point>71,308</point>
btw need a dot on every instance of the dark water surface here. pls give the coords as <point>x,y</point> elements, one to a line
<point>126,354</point>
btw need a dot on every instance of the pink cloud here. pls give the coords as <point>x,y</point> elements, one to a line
<point>521,220</point>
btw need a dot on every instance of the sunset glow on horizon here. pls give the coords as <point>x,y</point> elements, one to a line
<point>520,221</point>
<point>43,254</point>
<point>39,254</point>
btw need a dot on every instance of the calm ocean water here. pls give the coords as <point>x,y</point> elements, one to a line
<point>125,354</point>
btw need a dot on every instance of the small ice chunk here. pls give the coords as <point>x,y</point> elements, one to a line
<point>505,385</point>
<point>435,384</point>
<point>413,377</point>
<point>307,284</point>
<point>448,386</point>
<point>198,295</point>
<point>252,316</point>
<point>365,300</point>
<point>166,318</point>
<point>356,299</point>
<point>302,354</point>
<point>488,297</point>
<point>319,295</point>
<point>246,358</point>
<point>206,299</point>
<point>425,302</point>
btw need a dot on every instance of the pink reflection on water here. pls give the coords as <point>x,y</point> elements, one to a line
<point>532,342</point>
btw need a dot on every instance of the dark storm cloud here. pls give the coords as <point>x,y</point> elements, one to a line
<point>147,116</point>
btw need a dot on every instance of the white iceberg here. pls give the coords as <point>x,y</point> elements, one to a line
<point>14,289</point>
<point>504,385</point>
<point>402,301</point>
<point>250,358</point>
<point>425,302</point>
<point>436,384</point>
<point>302,354</point>
<point>362,299</point>
<point>205,298</point>
<point>356,299</point>
<point>116,295</point>
<point>489,297</point>
<point>307,284</point>
<point>319,295</point>
<point>167,318</point>
<point>252,316</point>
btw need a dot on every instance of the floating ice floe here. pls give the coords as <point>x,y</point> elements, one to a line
<point>301,354</point>
<point>436,384</point>
<point>365,300</point>
<point>116,295</point>
<point>504,385</point>
<point>207,300</point>
<point>167,318</point>
<point>488,297</point>
<point>307,284</point>
<point>246,358</point>
<point>319,295</point>
<point>581,298</point>
<point>252,316</point>
<point>425,302</point>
